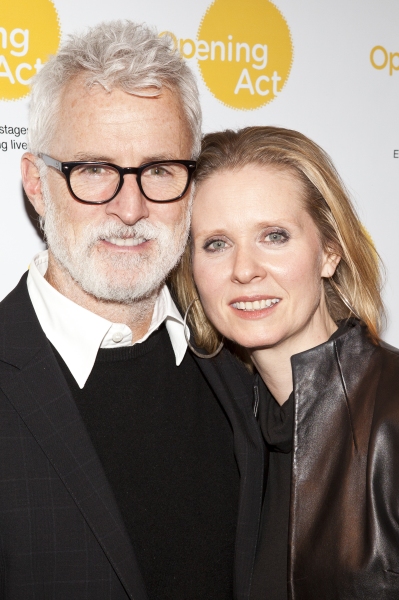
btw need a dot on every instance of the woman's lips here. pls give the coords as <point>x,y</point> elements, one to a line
<point>255,307</point>
<point>255,304</point>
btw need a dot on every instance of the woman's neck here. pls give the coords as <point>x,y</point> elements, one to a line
<point>274,362</point>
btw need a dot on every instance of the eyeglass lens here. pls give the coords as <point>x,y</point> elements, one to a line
<point>98,183</point>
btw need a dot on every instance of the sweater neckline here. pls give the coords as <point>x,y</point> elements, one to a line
<point>131,352</point>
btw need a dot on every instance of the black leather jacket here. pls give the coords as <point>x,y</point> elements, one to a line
<point>344,513</point>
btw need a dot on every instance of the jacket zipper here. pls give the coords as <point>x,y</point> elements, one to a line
<point>255,405</point>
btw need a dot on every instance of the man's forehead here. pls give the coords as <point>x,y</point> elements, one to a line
<point>79,92</point>
<point>94,104</point>
<point>91,115</point>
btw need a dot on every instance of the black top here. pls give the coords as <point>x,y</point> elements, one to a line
<point>277,423</point>
<point>167,449</point>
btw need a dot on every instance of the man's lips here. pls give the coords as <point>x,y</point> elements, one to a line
<point>125,242</point>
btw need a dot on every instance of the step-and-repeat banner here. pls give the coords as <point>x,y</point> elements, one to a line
<point>327,68</point>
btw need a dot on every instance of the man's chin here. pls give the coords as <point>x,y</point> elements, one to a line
<point>119,277</point>
<point>125,291</point>
<point>122,258</point>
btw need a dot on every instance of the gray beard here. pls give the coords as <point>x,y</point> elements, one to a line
<point>110,276</point>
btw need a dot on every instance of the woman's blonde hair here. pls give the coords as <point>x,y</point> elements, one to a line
<point>355,288</point>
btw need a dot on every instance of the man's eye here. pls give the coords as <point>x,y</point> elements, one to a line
<point>92,170</point>
<point>157,172</point>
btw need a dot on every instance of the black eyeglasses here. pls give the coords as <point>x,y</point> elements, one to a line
<point>100,182</point>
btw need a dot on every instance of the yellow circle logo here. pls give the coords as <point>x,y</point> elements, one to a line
<point>244,52</point>
<point>29,33</point>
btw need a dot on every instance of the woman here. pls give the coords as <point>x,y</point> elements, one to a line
<point>284,270</point>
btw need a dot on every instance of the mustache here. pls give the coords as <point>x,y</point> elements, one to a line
<point>141,229</point>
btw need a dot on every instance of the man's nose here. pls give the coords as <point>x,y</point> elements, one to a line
<point>247,266</point>
<point>129,205</point>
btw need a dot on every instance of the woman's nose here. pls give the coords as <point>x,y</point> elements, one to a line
<point>246,266</point>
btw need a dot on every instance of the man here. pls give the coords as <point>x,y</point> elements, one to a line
<point>119,470</point>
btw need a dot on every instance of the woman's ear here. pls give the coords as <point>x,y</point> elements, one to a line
<point>330,263</point>
<point>32,182</point>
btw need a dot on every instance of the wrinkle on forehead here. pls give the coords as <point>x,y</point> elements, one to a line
<point>113,113</point>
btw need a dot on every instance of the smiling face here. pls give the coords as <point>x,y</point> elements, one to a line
<point>258,259</point>
<point>123,250</point>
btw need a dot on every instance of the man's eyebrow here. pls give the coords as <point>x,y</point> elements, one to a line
<point>87,157</point>
<point>160,157</point>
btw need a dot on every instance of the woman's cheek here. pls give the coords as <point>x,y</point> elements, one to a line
<point>295,269</point>
<point>205,272</point>
<point>198,272</point>
<point>208,279</point>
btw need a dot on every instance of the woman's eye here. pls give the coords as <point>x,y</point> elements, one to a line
<point>215,245</point>
<point>276,237</point>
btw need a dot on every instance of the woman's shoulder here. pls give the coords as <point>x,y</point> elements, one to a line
<point>389,350</point>
<point>390,359</point>
<point>386,408</point>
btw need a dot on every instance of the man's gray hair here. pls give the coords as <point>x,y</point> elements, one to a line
<point>116,54</point>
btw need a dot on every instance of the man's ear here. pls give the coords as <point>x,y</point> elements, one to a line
<point>31,182</point>
<point>330,263</point>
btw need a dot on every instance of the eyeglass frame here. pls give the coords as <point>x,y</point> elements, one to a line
<point>65,168</point>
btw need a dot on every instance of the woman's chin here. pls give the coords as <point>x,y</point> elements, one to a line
<point>254,342</point>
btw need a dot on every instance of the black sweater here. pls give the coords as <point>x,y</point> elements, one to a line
<point>167,450</point>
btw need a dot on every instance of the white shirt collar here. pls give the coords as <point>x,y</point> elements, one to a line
<point>77,333</point>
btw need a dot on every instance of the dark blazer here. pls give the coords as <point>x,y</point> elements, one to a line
<point>61,532</point>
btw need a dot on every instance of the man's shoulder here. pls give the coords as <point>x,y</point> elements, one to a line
<point>233,366</point>
<point>225,372</point>
<point>16,302</point>
<point>20,331</point>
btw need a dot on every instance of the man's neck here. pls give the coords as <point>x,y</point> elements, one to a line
<point>137,315</point>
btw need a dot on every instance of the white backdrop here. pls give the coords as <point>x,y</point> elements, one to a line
<point>342,91</point>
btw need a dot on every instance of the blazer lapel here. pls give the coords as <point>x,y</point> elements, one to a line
<point>236,398</point>
<point>34,384</point>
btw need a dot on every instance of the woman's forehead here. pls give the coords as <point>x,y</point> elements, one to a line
<point>261,187</point>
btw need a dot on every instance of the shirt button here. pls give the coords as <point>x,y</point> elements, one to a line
<point>117,337</point>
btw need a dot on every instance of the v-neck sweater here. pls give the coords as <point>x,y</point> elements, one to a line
<point>166,447</point>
